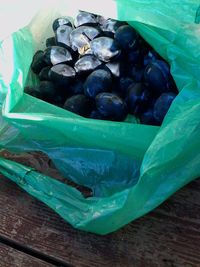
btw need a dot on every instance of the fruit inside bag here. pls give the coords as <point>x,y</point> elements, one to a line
<point>101,68</point>
<point>130,167</point>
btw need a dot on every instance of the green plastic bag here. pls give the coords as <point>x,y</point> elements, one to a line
<point>131,168</point>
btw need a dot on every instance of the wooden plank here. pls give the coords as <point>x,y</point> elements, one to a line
<point>168,236</point>
<point>10,257</point>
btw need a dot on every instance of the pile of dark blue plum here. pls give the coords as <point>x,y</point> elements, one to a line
<point>101,68</point>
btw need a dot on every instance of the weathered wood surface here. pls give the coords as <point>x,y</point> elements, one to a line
<point>168,236</point>
<point>10,257</point>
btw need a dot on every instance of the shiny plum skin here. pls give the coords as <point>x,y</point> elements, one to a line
<point>76,87</point>
<point>79,104</point>
<point>38,62</point>
<point>138,98</point>
<point>105,48</point>
<point>95,114</point>
<point>44,74</point>
<point>137,73</point>
<point>115,68</point>
<point>85,18</point>
<point>55,55</point>
<point>45,91</point>
<point>157,76</point>
<point>127,37</point>
<point>162,105</point>
<point>33,91</point>
<point>97,82</point>
<point>87,63</point>
<point>109,26</point>
<point>151,56</point>
<point>62,74</point>
<point>147,117</point>
<point>111,106</point>
<point>81,37</point>
<point>63,36</point>
<point>51,41</point>
<point>61,21</point>
<point>124,83</point>
<point>134,57</point>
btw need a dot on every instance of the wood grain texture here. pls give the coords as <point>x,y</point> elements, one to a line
<point>10,257</point>
<point>168,236</point>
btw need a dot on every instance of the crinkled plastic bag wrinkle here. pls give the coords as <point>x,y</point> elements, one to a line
<point>167,9</point>
<point>16,67</point>
<point>197,18</point>
<point>91,134</point>
<point>177,138</point>
<point>99,166</point>
<point>165,158</point>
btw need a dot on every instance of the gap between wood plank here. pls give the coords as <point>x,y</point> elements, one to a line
<point>32,252</point>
